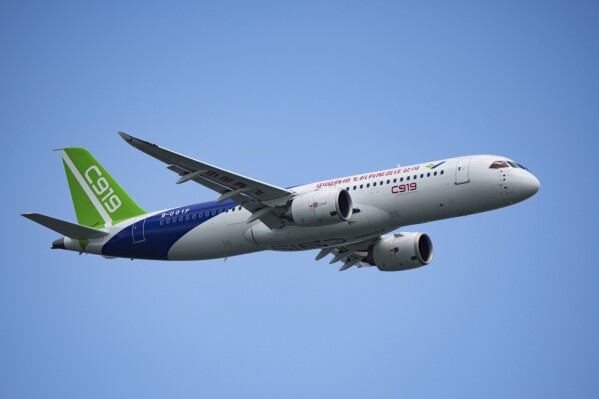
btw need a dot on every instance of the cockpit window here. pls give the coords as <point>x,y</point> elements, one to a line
<point>516,165</point>
<point>523,167</point>
<point>499,165</point>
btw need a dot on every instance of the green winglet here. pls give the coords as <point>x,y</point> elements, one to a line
<point>98,199</point>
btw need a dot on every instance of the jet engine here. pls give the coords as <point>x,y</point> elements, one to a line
<point>320,208</point>
<point>399,252</point>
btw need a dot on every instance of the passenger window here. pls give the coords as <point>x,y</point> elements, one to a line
<point>415,177</point>
<point>374,184</point>
<point>368,185</point>
<point>388,181</point>
<point>435,174</point>
<point>161,222</point>
<point>401,179</point>
<point>422,175</point>
<point>180,218</point>
<point>214,212</point>
<point>442,171</point>
<point>394,180</point>
<point>168,221</point>
<point>174,220</point>
<point>193,216</point>
<point>408,178</point>
<point>499,165</point>
<point>354,187</point>
<point>361,186</point>
<point>428,174</point>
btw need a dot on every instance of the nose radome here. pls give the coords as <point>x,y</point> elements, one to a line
<point>531,184</point>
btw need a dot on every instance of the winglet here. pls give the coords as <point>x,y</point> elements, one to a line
<point>125,136</point>
<point>134,141</point>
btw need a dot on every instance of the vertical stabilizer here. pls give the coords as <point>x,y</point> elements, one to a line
<point>98,199</point>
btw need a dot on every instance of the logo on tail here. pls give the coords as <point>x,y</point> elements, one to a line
<point>110,201</point>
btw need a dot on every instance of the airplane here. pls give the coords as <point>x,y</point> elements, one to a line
<point>349,218</point>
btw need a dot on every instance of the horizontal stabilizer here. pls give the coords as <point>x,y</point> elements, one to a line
<point>68,229</point>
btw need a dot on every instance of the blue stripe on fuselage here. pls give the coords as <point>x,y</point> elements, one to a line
<point>155,240</point>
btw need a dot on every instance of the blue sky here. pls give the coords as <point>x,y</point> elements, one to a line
<point>291,93</point>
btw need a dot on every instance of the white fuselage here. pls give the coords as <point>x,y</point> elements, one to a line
<point>383,201</point>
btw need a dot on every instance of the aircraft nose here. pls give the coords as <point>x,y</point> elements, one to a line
<point>530,185</point>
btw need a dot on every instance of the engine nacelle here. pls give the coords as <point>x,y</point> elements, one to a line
<point>320,208</point>
<point>399,252</point>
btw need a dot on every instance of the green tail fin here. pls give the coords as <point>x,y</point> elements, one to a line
<point>98,199</point>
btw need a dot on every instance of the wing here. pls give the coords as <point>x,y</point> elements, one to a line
<point>265,201</point>
<point>351,254</point>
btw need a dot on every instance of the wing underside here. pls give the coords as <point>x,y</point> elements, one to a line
<point>350,254</point>
<point>265,201</point>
